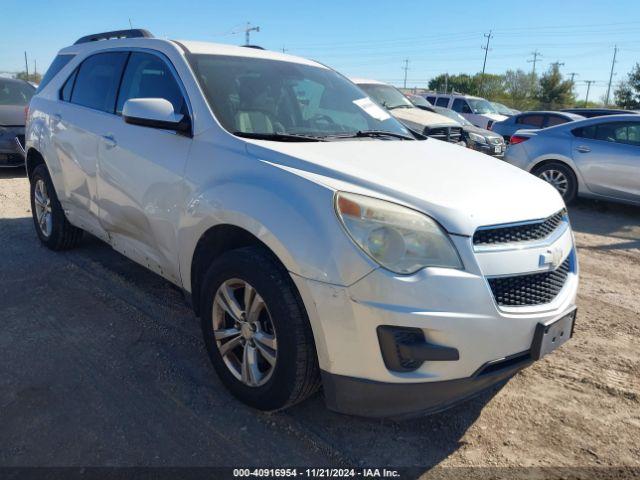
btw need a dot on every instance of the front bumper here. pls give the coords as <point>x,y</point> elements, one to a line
<point>451,308</point>
<point>10,153</point>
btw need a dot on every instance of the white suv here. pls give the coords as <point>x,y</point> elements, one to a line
<point>477,110</point>
<point>319,242</point>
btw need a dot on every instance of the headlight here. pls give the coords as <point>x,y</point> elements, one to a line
<point>398,238</point>
<point>477,138</point>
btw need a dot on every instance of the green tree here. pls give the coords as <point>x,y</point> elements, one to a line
<point>520,88</point>
<point>627,94</point>
<point>462,83</point>
<point>554,92</point>
<point>35,78</point>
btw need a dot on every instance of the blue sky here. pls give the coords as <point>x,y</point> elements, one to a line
<point>359,38</point>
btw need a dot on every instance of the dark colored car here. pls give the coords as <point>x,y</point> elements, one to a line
<point>533,119</point>
<point>474,137</point>
<point>14,97</point>
<point>596,112</point>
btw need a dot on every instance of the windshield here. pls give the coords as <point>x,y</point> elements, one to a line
<point>480,106</point>
<point>419,101</point>
<point>278,100</point>
<point>15,93</point>
<point>452,115</point>
<point>502,109</point>
<point>387,96</point>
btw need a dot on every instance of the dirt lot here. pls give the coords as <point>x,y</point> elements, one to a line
<point>101,363</point>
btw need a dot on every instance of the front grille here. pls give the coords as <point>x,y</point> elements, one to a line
<point>519,233</point>
<point>455,134</point>
<point>446,134</point>
<point>533,289</point>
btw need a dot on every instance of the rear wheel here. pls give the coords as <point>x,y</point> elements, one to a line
<point>256,330</point>
<point>52,226</point>
<point>561,177</point>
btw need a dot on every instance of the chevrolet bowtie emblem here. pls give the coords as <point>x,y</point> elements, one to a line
<point>551,258</point>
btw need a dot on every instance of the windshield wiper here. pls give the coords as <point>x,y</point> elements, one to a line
<point>280,137</point>
<point>373,133</point>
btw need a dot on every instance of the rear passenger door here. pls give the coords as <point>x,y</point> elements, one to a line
<point>140,180</point>
<point>608,157</point>
<point>86,104</point>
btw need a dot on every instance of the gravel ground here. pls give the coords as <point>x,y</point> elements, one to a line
<point>102,364</point>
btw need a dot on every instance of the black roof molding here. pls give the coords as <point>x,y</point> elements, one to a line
<point>132,33</point>
<point>257,47</point>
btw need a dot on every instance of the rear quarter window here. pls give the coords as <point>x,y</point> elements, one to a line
<point>58,64</point>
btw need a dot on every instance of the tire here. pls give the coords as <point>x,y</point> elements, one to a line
<point>55,231</point>
<point>294,375</point>
<point>561,177</point>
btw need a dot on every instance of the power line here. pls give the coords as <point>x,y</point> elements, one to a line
<point>405,68</point>
<point>486,51</point>
<point>536,54</point>
<point>613,62</point>
<point>247,31</point>
<point>588,82</point>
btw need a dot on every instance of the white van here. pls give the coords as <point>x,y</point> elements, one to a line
<point>477,110</point>
<point>320,243</point>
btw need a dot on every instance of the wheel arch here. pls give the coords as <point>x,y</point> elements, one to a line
<point>34,158</point>
<point>566,162</point>
<point>213,243</point>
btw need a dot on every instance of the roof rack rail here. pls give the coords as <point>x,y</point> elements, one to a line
<point>131,33</point>
<point>257,47</point>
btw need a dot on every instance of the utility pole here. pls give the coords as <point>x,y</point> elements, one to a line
<point>613,62</point>
<point>557,64</point>
<point>284,50</point>
<point>573,75</point>
<point>536,54</point>
<point>247,31</point>
<point>486,51</point>
<point>405,68</point>
<point>130,25</point>
<point>26,65</point>
<point>588,82</point>
<point>35,70</point>
<point>446,82</point>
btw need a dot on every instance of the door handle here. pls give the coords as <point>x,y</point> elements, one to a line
<point>110,141</point>
<point>583,149</point>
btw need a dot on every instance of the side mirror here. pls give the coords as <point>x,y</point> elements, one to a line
<point>154,113</point>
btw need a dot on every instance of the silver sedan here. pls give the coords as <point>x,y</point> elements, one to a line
<point>598,157</point>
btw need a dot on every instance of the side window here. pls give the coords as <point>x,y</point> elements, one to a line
<point>432,100</point>
<point>97,81</point>
<point>58,64</point>
<point>555,120</point>
<point>442,102</point>
<point>618,132</point>
<point>534,120</point>
<point>65,93</point>
<point>585,132</point>
<point>148,76</point>
<point>460,105</point>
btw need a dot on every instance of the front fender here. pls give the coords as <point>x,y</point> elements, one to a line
<point>292,215</point>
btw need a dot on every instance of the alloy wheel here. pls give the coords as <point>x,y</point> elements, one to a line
<point>244,332</point>
<point>557,179</point>
<point>42,203</point>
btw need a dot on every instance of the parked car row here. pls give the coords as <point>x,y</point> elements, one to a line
<point>15,95</point>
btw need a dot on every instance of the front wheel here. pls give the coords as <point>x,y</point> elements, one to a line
<point>256,330</point>
<point>52,226</point>
<point>561,177</point>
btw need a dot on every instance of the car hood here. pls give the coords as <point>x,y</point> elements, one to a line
<point>12,115</point>
<point>417,116</point>
<point>460,188</point>
<point>494,116</point>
